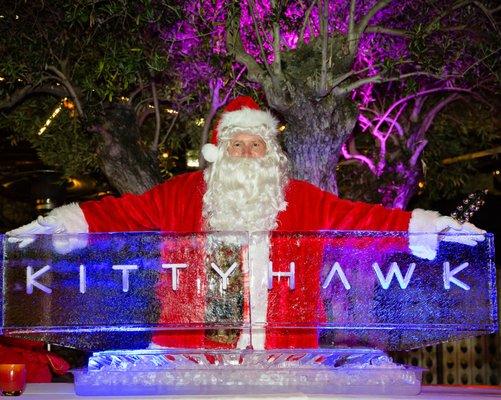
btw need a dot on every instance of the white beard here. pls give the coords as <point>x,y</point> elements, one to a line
<point>245,194</point>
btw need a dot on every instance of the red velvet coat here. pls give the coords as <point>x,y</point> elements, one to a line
<point>176,205</point>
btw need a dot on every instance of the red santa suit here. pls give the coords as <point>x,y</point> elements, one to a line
<point>176,206</point>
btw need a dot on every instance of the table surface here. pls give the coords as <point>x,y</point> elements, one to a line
<point>57,391</point>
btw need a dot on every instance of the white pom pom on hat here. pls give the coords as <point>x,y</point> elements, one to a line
<point>209,151</point>
<point>241,114</point>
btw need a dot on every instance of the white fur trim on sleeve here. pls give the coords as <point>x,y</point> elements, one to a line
<point>423,238</point>
<point>71,217</point>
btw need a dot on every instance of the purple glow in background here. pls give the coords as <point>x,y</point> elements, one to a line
<point>198,54</point>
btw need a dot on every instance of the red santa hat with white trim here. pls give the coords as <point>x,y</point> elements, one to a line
<point>242,114</point>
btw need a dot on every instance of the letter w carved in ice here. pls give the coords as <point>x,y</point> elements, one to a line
<point>394,270</point>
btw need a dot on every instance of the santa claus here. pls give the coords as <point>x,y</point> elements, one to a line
<point>245,188</point>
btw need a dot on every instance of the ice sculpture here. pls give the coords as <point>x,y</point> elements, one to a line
<point>269,312</point>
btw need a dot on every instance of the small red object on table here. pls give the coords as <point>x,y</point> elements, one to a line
<point>12,379</point>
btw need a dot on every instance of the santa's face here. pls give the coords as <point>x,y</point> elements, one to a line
<point>245,144</point>
<point>245,186</point>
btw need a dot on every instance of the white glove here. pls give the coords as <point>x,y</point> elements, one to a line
<point>62,222</point>
<point>41,226</point>
<point>452,230</point>
<point>427,228</point>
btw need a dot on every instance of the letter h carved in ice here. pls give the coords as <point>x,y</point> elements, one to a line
<point>278,274</point>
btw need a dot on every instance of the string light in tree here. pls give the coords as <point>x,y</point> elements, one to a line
<point>66,103</point>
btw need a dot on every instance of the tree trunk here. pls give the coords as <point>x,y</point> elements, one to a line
<point>127,163</point>
<point>304,87</point>
<point>398,194</point>
<point>315,133</point>
<point>398,182</point>
<point>406,190</point>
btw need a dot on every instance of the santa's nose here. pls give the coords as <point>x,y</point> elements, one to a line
<point>249,151</point>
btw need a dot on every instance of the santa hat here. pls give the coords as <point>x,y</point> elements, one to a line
<point>240,115</point>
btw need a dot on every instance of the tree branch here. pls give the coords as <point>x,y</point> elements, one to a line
<point>447,11</point>
<point>138,106</point>
<point>154,144</point>
<point>416,110</point>
<point>415,95</point>
<point>230,89</point>
<point>21,94</point>
<point>235,46</point>
<point>417,152</point>
<point>259,39</point>
<point>379,79</point>
<point>394,123</point>
<point>431,114</point>
<point>341,78</point>
<point>488,13</point>
<point>388,31</point>
<point>69,87</point>
<point>453,28</point>
<point>277,57</point>
<point>143,115</point>
<point>169,130</point>
<point>215,103</point>
<point>360,28</point>
<point>472,156</point>
<point>479,61</point>
<point>305,22</point>
<point>135,92</point>
<point>351,27</point>
<point>324,29</point>
<point>363,159</point>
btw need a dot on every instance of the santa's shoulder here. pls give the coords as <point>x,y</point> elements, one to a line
<point>187,181</point>
<point>297,186</point>
<point>187,177</point>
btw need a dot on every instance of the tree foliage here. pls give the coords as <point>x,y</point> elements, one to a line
<point>99,56</point>
<point>402,122</point>
<point>320,65</point>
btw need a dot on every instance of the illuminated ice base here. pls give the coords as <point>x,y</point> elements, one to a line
<point>222,372</point>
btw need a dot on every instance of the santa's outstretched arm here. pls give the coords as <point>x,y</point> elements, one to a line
<point>426,228</point>
<point>111,214</point>
<point>66,219</point>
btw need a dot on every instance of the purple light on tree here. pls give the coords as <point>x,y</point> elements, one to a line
<point>320,65</point>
